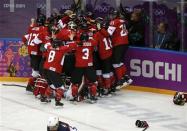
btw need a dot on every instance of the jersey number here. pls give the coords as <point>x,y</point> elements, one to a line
<point>51,56</point>
<point>108,43</point>
<point>31,39</point>
<point>123,30</point>
<point>61,24</point>
<point>86,53</point>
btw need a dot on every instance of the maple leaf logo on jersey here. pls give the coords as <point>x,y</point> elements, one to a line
<point>23,51</point>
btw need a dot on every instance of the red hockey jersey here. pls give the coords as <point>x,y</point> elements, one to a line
<point>104,44</point>
<point>118,31</point>
<point>35,37</point>
<point>62,23</point>
<point>84,54</point>
<point>55,57</point>
<point>64,34</point>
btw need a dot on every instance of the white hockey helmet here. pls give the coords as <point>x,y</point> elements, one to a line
<point>53,121</point>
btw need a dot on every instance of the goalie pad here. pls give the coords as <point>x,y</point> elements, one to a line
<point>30,86</point>
<point>40,86</point>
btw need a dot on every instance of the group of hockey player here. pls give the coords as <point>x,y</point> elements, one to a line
<point>76,56</point>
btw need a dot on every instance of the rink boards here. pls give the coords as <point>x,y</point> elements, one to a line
<point>160,69</point>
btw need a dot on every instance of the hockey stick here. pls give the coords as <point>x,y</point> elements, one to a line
<point>121,7</point>
<point>74,2</point>
<point>95,4</point>
<point>76,6</point>
<point>14,85</point>
<point>145,128</point>
<point>124,12</point>
<point>81,86</point>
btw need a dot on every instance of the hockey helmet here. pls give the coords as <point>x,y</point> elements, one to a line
<point>68,12</point>
<point>84,36</point>
<point>179,98</point>
<point>99,20</point>
<point>72,25</point>
<point>41,20</point>
<point>90,14</point>
<point>114,14</point>
<point>53,121</point>
<point>84,26</point>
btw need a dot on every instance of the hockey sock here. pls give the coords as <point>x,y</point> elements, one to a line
<point>48,92</point>
<point>74,89</point>
<point>93,89</point>
<point>100,80</point>
<point>119,72</point>
<point>59,94</point>
<point>41,85</point>
<point>112,78</point>
<point>123,69</point>
<point>107,83</point>
<point>36,91</point>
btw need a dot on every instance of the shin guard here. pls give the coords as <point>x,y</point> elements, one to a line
<point>41,85</point>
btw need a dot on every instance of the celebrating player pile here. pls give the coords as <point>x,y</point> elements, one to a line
<point>77,57</point>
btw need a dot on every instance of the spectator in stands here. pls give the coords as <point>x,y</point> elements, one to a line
<point>174,44</point>
<point>162,38</point>
<point>136,29</point>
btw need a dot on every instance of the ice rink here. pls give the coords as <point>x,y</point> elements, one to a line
<point>23,112</point>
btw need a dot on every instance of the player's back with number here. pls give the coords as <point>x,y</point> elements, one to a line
<point>55,57</point>
<point>34,40</point>
<point>84,54</point>
<point>118,31</point>
<point>104,44</point>
<point>54,60</point>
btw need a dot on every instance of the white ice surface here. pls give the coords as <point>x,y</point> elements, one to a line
<point>20,111</point>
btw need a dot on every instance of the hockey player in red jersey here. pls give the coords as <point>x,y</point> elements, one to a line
<point>34,42</point>
<point>63,35</point>
<point>54,66</point>
<point>84,66</point>
<point>37,34</point>
<point>63,22</point>
<point>31,81</point>
<point>32,24</point>
<point>41,84</point>
<point>105,53</point>
<point>117,29</point>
